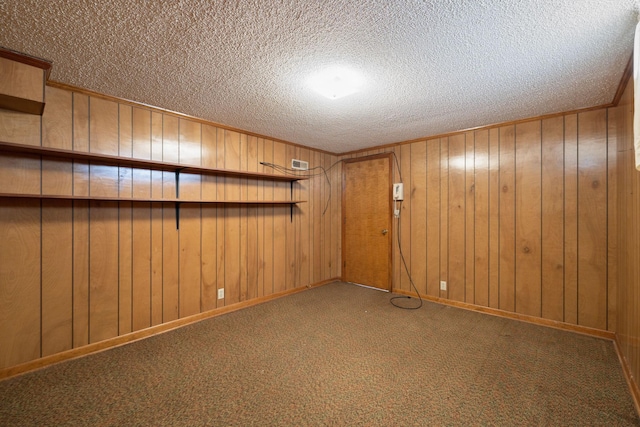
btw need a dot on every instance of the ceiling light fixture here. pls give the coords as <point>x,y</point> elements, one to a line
<point>335,82</point>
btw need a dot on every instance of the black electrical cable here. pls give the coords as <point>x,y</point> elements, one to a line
<point>404,262</point>
<point>297,172</point>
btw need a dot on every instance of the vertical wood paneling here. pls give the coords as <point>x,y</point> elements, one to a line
<point>103,139</point>
<point>57,132</point>
<point>552,218</point>
<point>405,217</point>
<point>141,130</point>
<point>327,234</point>
<point>507,219</point>
<point>280,218</point>
<point>20,128</point>
<point>220,217</point>
<point>269,255</point>
<point>103,271</point>
<point>397,265</point>
<point>125,224</point>
<point>481,217</point>
<point>244,250</point>
<point>80,273</point>
<point>141,286</point>
<point>317,211</point>
<point>592,222</point>
<point>613,121</point>
<point>190,147</point>
<point>457,229</point>
<point>418,194</point>
<point>444,214</point>
<point>157,268</point>
<point>336,218</point>
<point>232,220</point>
<point>528,218</point>
<point>503,203</point>
<point>209,226</point>
<point>20,333</point>
<point>290,230</point>
<point>125,268</point>
<point>80,143</point>
<point>303,226</point>
<point>469,210</point>
<point>170,235</point>
<point>57,276</point>
<point>627,231</point>
<point>253,267</point>
<point>433,217</point>
<point>260,217</point>
<point>494,218</point>
<point>571,219</point>
<point>157,147</point>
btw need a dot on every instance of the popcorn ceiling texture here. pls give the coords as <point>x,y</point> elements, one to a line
<point>429,66</point>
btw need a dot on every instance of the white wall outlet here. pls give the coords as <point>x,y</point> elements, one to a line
<point>398,191</point>
<point>221,293</point>
<point>443,285</point>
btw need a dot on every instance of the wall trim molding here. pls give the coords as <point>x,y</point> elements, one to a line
<point>626,370</point>
<point>624,81</point>
<point>585,330</point>
<point>118,341</point>
<point>27,60</point>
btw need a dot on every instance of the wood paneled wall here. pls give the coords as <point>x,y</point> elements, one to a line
<point>628,326</point>
<point>77,272</point>
<point>520,218</point>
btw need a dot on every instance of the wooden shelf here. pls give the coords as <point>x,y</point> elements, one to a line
<point>129,199</point>
<point>8,147</point>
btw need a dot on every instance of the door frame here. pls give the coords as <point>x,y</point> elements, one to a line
<point>388,156</point>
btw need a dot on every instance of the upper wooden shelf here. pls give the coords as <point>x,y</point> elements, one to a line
<point>23,88</point>
<point>148,200</point>
<point>8,147</point>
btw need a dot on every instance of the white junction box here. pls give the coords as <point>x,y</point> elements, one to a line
<point>398,191</point>
<point>443,285</point>
<point>221,293</point>
<point>300,165</point>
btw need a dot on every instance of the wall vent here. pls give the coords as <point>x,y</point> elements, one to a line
<point>300,165</point>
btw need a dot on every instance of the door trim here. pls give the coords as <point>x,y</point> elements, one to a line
<point>390,210</point>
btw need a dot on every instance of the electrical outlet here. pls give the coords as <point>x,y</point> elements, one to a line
<point>221,293</point>
<point>443,285</point>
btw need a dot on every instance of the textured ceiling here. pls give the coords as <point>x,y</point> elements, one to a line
<point>429,66</point>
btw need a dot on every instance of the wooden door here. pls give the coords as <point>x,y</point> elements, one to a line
<point>366,232</point>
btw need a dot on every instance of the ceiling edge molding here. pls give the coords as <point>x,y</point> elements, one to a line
<point>626,76</point>
<point>71,88</point>
<point>27,59</point>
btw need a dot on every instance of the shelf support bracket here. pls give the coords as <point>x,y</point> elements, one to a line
<point>178,182</point>
<point>177,215</point>
<point>291,205</point>
<point>177,197</point>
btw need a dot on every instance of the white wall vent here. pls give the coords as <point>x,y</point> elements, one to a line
<point>300,165</point>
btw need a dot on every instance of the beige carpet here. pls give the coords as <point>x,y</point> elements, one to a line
<point>335,355</point>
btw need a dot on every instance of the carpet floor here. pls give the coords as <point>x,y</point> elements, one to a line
<point>334,355</point>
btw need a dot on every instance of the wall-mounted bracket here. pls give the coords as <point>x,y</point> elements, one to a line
<point>177,215</point>
<point>177,197</point>
<point>291,207</point>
